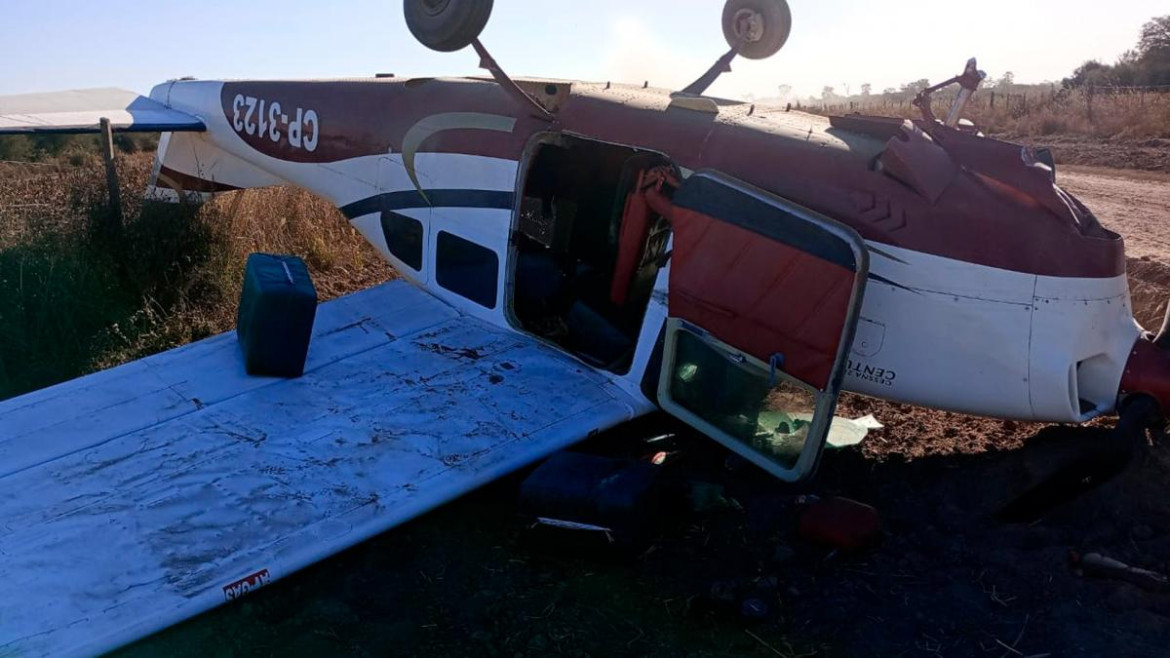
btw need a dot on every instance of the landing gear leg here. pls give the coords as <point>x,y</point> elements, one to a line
<point>1110,458</point>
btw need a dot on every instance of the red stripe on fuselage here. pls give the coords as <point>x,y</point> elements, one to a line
<point>975,218</point>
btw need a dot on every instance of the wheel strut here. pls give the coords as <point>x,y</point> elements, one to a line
<point>1105,461</point>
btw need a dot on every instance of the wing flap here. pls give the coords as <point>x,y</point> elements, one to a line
<point>81,111</point>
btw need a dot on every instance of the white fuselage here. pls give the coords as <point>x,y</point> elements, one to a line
<point>934,332</point>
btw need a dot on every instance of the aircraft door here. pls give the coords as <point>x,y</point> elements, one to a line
<point>763,302</point>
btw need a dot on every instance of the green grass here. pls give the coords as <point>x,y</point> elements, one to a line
<point>57,300</point>
<point>77,295</point>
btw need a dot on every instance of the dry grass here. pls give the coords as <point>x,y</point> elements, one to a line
<point>74,298</point>
<point>1041,112</point>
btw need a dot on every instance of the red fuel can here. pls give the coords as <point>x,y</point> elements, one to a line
<point>840,523</point>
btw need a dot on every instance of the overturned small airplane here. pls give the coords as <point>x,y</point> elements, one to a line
<point>575,255</point>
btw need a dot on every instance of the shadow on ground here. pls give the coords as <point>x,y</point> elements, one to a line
<point>948,579</point>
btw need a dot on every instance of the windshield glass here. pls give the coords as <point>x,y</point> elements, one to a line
<point>771,413</point>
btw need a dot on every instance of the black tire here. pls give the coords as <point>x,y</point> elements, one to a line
<point>447,25</point>
<point>777,25</point>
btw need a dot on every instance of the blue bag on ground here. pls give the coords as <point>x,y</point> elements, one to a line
<point>275,321</point>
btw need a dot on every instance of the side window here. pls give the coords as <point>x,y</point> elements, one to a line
<point>729,393</point>
<point>404,238</point>
<point>467,269</point>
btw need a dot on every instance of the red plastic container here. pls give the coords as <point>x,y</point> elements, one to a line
<point>840,523</point>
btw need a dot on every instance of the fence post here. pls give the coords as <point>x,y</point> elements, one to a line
<point>111,176</point>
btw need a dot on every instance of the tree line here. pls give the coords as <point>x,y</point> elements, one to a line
<point>1146,65</point>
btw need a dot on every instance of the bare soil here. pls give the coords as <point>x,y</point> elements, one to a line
<point>948,579</point>
<point>1135,204</point>
<point>1149,154</point>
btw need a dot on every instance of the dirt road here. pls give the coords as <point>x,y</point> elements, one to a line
<point>1136,204</point>
<point>948,580</point>
<point>1133,203</point>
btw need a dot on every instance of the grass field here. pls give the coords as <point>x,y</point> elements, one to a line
<point>74,298</point>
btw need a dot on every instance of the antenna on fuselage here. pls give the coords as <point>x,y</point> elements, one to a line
<point>755,29</point>
<point>451,25</point>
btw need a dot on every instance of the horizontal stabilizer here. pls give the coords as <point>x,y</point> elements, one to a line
<point>81,111</point>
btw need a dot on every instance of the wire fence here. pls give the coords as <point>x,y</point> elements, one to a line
<point>1125,112</point>
<point>992,99</point>
<point>29,164</point>
<point>14,170</point>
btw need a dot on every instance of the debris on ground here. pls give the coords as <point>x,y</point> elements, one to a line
<point>753,600</point>
<point>578,491</point>
<point>841,524</point>
<point>1099,566</point>
<point>845,432</point>
<point>707,497</point>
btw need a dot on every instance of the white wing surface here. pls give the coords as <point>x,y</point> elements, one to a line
<point>138,497</point>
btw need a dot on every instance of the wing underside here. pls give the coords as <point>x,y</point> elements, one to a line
<point>81,111</point>
<point>141,496</point>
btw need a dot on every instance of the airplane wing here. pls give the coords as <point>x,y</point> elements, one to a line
<point>141,496</point>
<point>81,111</point>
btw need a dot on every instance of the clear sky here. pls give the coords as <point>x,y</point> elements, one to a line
<point>48,45</point>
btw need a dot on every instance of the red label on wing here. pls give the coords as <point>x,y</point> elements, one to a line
<point>246,584</point>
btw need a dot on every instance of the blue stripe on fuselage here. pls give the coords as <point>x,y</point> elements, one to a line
<point>434,199</point>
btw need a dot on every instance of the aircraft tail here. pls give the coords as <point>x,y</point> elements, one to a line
<point>81,111</point>
<point>189,167</point>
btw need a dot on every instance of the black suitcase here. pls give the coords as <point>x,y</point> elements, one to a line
<point>277,308</point>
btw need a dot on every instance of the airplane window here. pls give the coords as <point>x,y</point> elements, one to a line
<point>768,412</point>
<point>467,269</point>
<point>404,238</point>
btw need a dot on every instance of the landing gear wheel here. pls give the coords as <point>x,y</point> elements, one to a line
<point>757,29</point>
<point>447,25</point>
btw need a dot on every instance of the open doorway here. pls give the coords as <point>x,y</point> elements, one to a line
<point>586,254</point>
